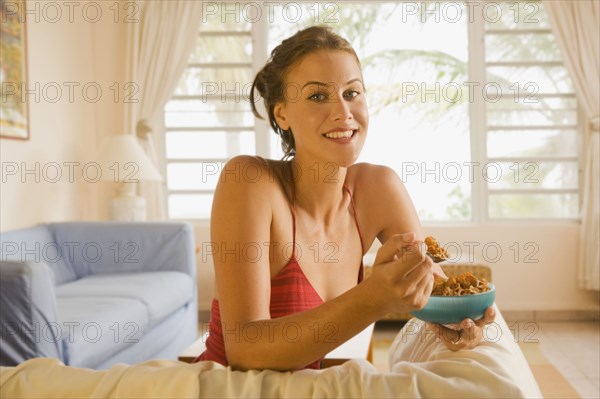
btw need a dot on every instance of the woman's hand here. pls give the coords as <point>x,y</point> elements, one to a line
<point>466,335</point>
<point>403,274</point>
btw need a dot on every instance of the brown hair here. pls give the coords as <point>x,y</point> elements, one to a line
<point>270,80</point>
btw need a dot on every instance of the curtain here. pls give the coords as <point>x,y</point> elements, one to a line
<point>576,25</point>
<point>159,46</point>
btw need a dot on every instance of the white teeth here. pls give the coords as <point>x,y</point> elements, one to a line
<point>339,135</point>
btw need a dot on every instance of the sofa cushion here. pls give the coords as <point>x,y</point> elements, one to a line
<point>127,247</point>
<point>95,328</point>
<point>161,292</point>
<point>37,245</point>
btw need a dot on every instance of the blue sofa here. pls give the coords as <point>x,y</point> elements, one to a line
<point>93,294</point>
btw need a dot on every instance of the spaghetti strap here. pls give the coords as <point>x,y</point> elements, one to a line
<point>355,218</point>
<point>293,221</point>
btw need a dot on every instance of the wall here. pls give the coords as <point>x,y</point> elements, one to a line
<point>60,130</point>
<point>84,51</point>
<point>109,44</point>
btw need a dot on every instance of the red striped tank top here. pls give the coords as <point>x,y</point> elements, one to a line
<point>291,292</point>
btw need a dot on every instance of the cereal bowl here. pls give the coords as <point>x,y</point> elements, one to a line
<point>454,309</point>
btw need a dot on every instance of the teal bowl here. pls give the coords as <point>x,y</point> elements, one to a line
<point>454,309</point>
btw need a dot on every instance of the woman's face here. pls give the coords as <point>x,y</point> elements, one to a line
<point>325,107</point>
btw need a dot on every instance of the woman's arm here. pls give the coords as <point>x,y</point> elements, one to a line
<point>241,218</point>
<point>400,217</point>
<point>397,214</point>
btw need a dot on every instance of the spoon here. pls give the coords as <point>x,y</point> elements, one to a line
<point>436,259</point>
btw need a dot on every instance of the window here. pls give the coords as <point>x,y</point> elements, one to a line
<point>531,131</point>
<point>469,103</point>
<point>206,121</point>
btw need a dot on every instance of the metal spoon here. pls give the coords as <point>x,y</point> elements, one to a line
<point>436,259</point>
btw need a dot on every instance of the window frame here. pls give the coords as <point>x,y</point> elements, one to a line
<point>265,140</point>
<point>480,193</point>
<point>263,143</point>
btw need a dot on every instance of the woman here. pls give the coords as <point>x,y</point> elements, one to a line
<point>292,233</point>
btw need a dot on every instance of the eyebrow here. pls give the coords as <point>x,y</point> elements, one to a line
<point>314,82</point>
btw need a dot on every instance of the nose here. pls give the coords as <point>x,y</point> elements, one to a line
<point>340,109</point>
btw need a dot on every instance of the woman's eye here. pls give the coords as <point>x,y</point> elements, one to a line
<point>352,93</point>
<point>317,97</point>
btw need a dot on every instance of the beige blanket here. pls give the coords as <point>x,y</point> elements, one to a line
<point>421,368</point>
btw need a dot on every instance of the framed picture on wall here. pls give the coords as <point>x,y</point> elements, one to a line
<point>14,112</point>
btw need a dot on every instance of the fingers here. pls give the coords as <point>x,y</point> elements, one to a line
<point>419,282</point>
<point>418,286</point>
<point>407,269</point>
<point>408,237</point>
<point>469,331</point>
<point>468,335</point>
<point>405,249</point>
<point>420,291</point>
<point>393,246</point>
<point>415,256</point>
<point>426,283</point>
<point>453,339</point>
<point>421,273</point>
<point>488,317</point>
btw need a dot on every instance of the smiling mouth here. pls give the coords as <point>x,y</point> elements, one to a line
<point>340,135</point>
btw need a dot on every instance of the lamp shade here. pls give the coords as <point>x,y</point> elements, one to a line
<point>123,160</point>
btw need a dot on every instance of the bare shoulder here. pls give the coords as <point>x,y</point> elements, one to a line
<point>251,167</point>
<point>373,179</point>
<point>249,182</point>
<point>250,172</point>
<point>383,202</point>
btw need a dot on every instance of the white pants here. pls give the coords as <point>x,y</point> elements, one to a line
<point>495,368</point>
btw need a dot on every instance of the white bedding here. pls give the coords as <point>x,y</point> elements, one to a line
<point>496,368</point>
<point>421,368</point>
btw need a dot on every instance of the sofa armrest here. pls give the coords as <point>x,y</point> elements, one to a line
<point>125,247</point>
<point>28,319</point>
